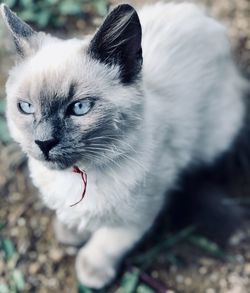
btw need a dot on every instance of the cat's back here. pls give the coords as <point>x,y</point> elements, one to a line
<point>180,39</point>
<point>185,55</point>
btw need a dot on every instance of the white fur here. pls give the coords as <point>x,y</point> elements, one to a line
<point>193,109</point>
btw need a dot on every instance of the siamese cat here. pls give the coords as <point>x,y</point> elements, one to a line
<point>149,104</point>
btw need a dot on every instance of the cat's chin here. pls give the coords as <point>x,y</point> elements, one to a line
<point>54,163</point>
<point>59,164</point>
<point>56,166</point>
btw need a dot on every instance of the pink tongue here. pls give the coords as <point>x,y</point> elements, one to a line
<point>84,180</point>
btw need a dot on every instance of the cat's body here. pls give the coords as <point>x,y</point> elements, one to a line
<point>168,138</point>
<point>184,110</point>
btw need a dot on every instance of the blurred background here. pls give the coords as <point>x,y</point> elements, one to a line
<point>31,260</point>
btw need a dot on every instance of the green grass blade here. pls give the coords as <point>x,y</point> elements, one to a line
<point>4,132</point>
<point>2,224</point>
<point>101,7</point>
<point>148,257</point>
<point>4,288</point>
<point>84,289</point>
<point>208,246</point>
<point>8,248</point>
<point>129,282</point>
<point>18,279</point>
<point>144,289</point>
<point>2,106</point>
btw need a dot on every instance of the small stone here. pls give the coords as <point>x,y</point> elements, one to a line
<point>235,278</point>
<point>188,281</point>
<point>52,283</point>
<point>214,277</point>
<point>179,279</point>
<point>210,290</point>
<point>44,221</point>
<point>34,223</point>
<point>223,283</point>
<point>81,24</point>
<point>16,196</point>
<point>173,269</point>
<point>206,261</point>
<point>56,254</point>
<point>247,269</point>
<point>202,270</point>
<point>14,232</point>
<point>97,21</point>
<point>237,238</point>
<point>239,258</point>
<point>71,250</point>
<point>21,222</point>
<point>42,258</point>
<point>34,268</point>
<point>236,289</point>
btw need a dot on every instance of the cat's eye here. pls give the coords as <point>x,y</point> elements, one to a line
<point>81,107</point>
<point>26,108</point>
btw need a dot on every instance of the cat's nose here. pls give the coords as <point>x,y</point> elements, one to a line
<point>47,145</point>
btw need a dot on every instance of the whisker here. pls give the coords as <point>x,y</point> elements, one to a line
<point>111,160</point>
<point>103,149</point>
<point>124,155</point>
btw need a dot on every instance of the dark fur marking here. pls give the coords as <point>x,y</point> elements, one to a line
<point>56,104</point>
<point>123,49</point>
<point>203,190</point>
<point>19,29</point>
<point>71,93</point>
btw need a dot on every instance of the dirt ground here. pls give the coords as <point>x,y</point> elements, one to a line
<point>48,267</point>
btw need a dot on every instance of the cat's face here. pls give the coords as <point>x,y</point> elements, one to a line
<point>77,100</point>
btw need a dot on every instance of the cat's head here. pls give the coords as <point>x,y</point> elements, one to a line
<point>71,101</point>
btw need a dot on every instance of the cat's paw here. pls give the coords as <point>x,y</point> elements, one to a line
<point>68,236</point>
<point>92,271</point>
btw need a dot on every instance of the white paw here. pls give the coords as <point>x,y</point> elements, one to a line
<point>68,236</point>
<point>93,271</point>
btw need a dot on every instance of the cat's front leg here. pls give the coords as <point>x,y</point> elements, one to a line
<point>97,261</point>
<point>68,236</point>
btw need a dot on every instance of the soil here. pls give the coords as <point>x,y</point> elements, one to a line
<point>48,267</point>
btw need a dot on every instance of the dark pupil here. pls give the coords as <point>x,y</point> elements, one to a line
<point>80,105</point>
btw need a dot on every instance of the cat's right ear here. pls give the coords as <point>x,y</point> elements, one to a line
<point>22,33</point>
<point>118,42</point>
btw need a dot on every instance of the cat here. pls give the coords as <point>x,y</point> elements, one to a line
<point>146,101</point>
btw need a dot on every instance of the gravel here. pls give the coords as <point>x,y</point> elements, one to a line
<point>48,267</point>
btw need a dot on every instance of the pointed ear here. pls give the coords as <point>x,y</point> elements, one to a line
<point>118,42</point>
<point>22,33</point>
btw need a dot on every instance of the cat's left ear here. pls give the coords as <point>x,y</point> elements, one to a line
<point>24,36</point>
<point>118,42</point>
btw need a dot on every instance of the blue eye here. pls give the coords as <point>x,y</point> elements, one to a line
<point>26,108</point>
<point>80,108</point>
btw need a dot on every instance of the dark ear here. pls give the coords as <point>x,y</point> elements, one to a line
<point>118,42</point>
<point>22,33</point>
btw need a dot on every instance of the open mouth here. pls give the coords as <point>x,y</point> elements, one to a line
<point>57,163</point>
